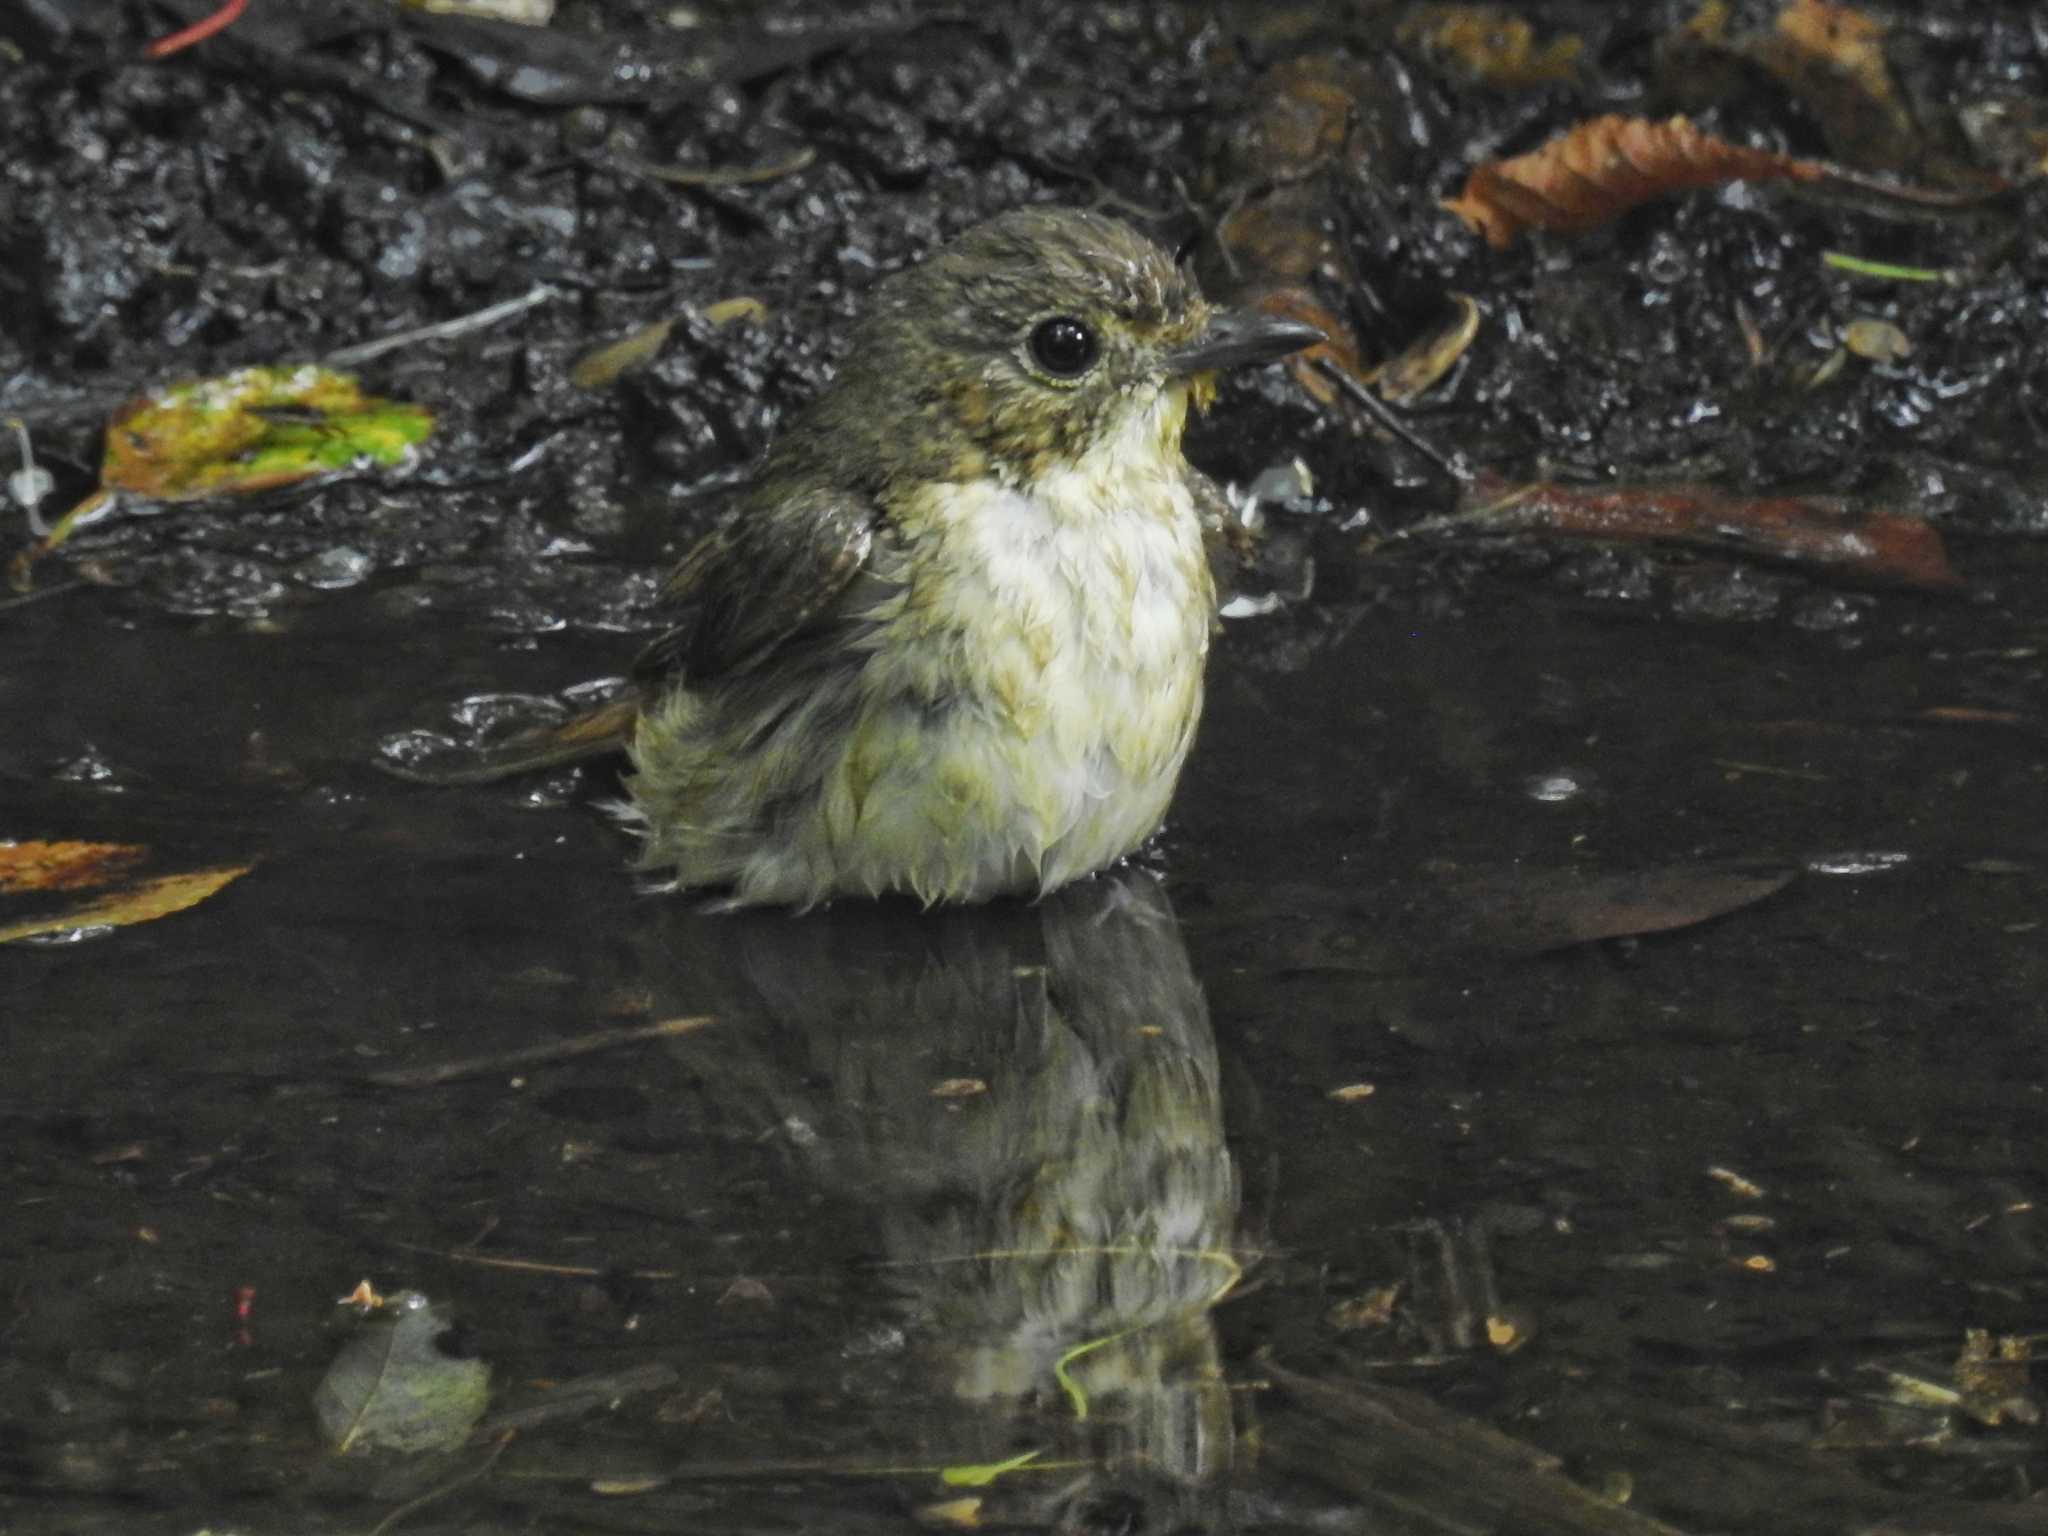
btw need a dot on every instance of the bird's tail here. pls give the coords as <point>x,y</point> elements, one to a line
<point>597,732</point>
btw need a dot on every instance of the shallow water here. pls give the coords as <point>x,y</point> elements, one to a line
<point>917,1158</point>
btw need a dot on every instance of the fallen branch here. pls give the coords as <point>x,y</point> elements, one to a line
<point>1815,533</point>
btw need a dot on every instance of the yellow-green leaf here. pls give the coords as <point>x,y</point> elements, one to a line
<point>253,430</point>
<point>987,1472</point>
<point>141,902</point>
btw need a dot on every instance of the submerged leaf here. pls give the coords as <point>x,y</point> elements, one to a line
<point>1534,911</point>
<point>393,1387</point>
<point>1451,919</point>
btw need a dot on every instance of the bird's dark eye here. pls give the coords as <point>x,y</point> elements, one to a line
<point>1064,347</point>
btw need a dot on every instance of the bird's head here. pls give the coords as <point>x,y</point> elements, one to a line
<point>1031,339</point>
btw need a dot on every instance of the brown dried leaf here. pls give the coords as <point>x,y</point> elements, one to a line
<point>1840,37</point>
<point>1600,169</point>
<point>1274,243</point>
<point>1278,240</point>
<point>1832,56</point>
<point>1340,351</point>
<point>1373,1309</point>
<point>1299,122</point>
<point>64,866</point>
<point>1992,1375</point>
<point>1491,46</point>
<point>1412,372</point>
<point>1834,60</point>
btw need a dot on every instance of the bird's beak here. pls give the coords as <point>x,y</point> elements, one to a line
<point>1238,336</point>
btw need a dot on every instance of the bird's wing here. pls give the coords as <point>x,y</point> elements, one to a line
<point>777,573</point>
<point>780,574</point>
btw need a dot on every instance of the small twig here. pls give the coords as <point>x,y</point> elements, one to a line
<point>101,504</point>
<point>413,1506</point>
<point>1925,197</point>
<point>40,593</point>
<point>461,325</point>
<point>585,1394</point>
<point>1861,266</point>
<point>720,176</point>
<point>1771,770</point>
<point>732,1471</point>
<point>1452,464</point>
<point>534,1055</point>
<point>198,32</point>
<point>534,1266</point>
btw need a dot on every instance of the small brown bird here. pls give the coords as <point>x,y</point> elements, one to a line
<point>952,641</point>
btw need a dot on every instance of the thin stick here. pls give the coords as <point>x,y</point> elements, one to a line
<point>533,1266</point>
<point>1451,464</point>
<point>534,1055</point>
<point>461,325</point>
<point>40,593</point>
<point>454,1485</point>
<point>717,176</point>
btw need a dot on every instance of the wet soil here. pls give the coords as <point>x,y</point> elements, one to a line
<point>1310,1095</point>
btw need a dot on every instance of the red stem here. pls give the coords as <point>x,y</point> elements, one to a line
<point>198,32</point>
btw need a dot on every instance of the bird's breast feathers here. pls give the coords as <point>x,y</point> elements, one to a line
<point>1034,689</point>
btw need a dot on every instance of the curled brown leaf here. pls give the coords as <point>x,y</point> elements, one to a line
<point>1600,169</point>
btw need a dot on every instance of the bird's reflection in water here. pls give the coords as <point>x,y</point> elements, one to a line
<point>1025,1098</point>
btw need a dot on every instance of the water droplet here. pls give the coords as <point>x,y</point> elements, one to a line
<point>415,751</point>
<point>332,569</point>
<point>1244,606</point>
<point>1553,788</point>
<point>487,715</point>
<point>77,935</point>
<point>1856,862</point>
<point>93,767</point>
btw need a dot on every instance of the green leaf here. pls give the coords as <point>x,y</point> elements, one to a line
<point>254,430</point>
<point>393,1388</point>
<point>981,1476</point>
